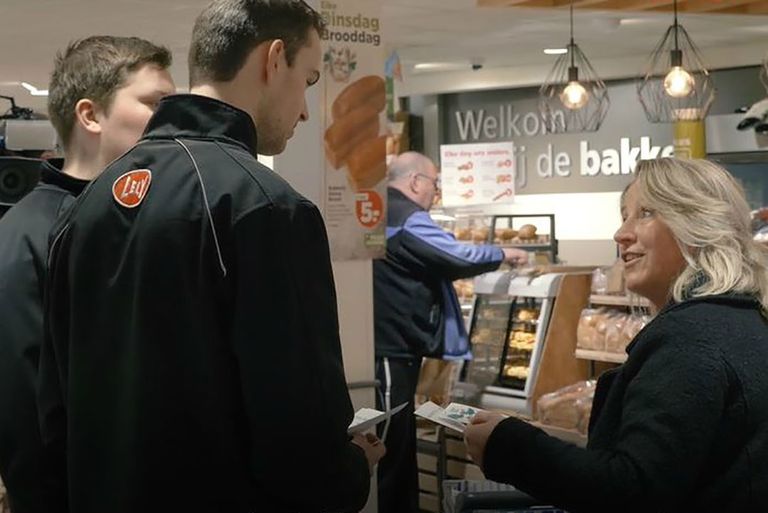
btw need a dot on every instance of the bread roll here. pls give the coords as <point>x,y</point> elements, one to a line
<point>367,164</point>
<point>480,234</point>
<point>527,232</point>
<point>346,133</point>
<point>368,91</point>
<point>464,234</point>
<point>508,234</point>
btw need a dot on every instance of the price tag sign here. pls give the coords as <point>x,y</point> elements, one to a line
<point>369,208</point>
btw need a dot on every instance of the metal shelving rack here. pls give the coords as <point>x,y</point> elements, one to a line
<point>550,246</point>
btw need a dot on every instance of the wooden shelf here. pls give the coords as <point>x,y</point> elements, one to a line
<point>599,299</point>
<point>568,435</point>
<point>600,356</point>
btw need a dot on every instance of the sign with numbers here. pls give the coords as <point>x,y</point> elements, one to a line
<point>477,174</point>
<point>354,129</point>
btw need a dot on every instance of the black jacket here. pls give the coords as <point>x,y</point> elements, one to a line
<point>194,361</point>
<point>415,306</point>
<point>24,232</point>
<point>681,426</point>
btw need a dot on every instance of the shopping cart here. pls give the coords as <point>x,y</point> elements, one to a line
<point>466,496</point>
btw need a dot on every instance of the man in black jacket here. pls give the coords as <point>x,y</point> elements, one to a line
<point>194,361</point>
<point>417,312</point>
<point>102,93</point>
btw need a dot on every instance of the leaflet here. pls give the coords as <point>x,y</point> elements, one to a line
<point>366,418</point>
<point>455,416</point>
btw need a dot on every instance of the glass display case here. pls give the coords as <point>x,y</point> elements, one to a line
<point>508,330</point>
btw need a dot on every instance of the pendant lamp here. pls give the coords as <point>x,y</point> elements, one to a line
<point>676,85</point>
<point>573,98</point>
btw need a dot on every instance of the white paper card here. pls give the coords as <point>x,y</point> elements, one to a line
<point>456,416</point>
<point>366,418</point>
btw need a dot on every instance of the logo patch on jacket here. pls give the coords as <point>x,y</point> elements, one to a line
<point>130,188</point>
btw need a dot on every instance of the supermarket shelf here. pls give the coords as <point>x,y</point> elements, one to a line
<point>523,245</point>
<point>600,356</point>
<point>568,435</point>
<point>598,299</point>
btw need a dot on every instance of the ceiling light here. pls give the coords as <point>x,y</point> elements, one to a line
<point>676,85</point>
<point>635,21</point>
<point>34,91</point>
<point>555,51</point>
<point>573,98</point>
<point>424,66</point>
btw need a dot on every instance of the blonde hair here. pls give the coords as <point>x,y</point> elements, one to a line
<point>707,212</point>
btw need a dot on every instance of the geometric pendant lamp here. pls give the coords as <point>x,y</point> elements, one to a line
<point>573,98</point>
<point>676,85</point>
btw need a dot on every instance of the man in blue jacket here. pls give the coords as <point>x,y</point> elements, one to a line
<point>417,313</point>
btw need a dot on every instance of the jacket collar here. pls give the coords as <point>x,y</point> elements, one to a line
<point>195,116</point>
<point>394,195</point>
<point>50,174</point>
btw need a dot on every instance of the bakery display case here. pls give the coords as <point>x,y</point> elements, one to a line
<point>532,232</point>
<point>523,336</point>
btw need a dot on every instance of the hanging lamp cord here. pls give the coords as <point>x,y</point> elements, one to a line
<point>677,47</point>
<point>570,49</point>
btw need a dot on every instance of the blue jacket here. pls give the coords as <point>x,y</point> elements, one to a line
<point>416,309</point>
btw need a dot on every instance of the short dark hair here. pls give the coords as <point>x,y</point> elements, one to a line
<point>227,31</point>
<point>96,68</point>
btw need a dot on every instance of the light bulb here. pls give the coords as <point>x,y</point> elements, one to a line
<point>574,96</point>
<point>678,83</point>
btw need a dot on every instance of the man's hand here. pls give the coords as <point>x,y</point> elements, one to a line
<point>477,433</point>
<point>515,256</point>
<point>373,447</point>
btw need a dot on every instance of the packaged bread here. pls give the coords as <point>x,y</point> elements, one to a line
<point>367,91</point>
<point>527,232</point>
<point>615,338</point>
<point>587,336</point>
<point>367,163</point>
<point>584,410</point>
<point>565,407</point>
<point>634,324</point>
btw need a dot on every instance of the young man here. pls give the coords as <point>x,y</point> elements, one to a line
<point>416,312</point>
<point>102,93</point>
<point>192,312</point>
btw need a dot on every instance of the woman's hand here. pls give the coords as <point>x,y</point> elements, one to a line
<point>477,433</point>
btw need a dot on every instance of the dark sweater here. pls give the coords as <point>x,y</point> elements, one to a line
<point>681,426</point>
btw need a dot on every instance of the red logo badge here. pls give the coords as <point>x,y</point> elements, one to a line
<point>129,190</point>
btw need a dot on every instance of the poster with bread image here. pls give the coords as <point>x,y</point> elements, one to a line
<point>354,129</point>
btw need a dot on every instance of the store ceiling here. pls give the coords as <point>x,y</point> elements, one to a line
<point>446,31</point>
<point>689,6</point>
<point>455,31</point>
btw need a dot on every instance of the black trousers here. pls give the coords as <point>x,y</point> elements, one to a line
<point>397,472</point>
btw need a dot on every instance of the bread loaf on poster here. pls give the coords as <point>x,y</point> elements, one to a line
<point>368,91</point>
<point>347,133</point>
<point>367,164</point>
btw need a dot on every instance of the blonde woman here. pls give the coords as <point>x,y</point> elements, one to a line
<point>683,424</point>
